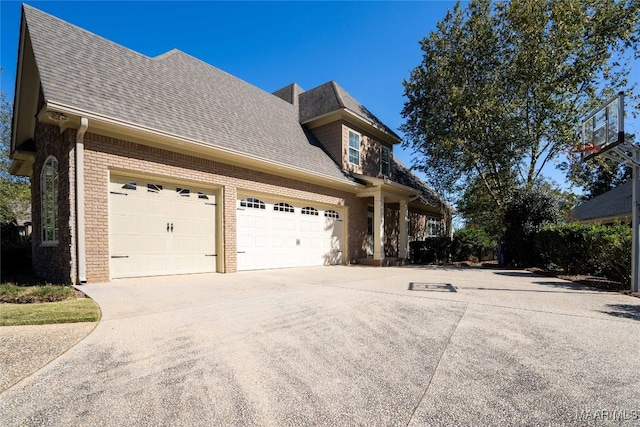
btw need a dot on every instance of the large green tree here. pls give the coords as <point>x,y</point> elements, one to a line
<point>503,86</point>
<point>14,191</point>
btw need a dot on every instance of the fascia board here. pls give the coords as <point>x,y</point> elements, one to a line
<point>608,219</point>
<point>350,116</point>
<point>387,184</point>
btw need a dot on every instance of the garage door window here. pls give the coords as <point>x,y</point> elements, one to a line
<point>283,207</point>
<point>154,188</point>
<point>331,214</point>
<point>309,211</point>
<point>184,192</point>
<point>252,203</point>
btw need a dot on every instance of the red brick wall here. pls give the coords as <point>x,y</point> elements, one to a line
<point>369,151</point>
<point>103,154</point>
<point>330,136</point>
<point>335,139</point>
<point>54,263</point>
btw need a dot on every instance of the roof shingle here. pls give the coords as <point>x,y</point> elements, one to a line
<point>330,97</point>
<point>173,93</point>
<point>615,203</point>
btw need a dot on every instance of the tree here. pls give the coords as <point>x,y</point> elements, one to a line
<point>502,88</point>
<point>524,215</point>
<point>14,191</point>
<point>604,176</point>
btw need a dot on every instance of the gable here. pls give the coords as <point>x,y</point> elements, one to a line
<point>174,95</point>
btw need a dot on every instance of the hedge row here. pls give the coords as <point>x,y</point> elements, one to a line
<point>593,249</point>
<point>469,244</point>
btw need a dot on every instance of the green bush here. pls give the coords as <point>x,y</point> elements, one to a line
<point>431,250</point>
<point>16,255</point>
<point>592,249</point>
<point>525,214</point>
<point>469,244</point>
<point>617,256</point>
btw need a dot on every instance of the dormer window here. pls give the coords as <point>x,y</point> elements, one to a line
<point>354,148</point>
<point>384,161</point>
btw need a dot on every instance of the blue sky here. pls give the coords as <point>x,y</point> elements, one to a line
<point>367,47</point>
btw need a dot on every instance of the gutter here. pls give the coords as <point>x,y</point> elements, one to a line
<point>80,215</point>
<point>184,141</point>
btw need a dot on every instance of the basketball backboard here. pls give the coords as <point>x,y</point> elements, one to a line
<point>603,129</point>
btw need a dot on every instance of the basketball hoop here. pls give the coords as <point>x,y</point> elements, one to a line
<point>588,150</point>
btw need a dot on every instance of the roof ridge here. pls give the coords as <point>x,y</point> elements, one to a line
<point>168,53</point>
<point>26,6</point>
<point>335,86</point>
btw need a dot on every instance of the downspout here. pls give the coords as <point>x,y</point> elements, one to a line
<point>82,256</point>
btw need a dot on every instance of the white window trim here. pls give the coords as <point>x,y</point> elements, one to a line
<point>349,148</point>
<point>51,162</point>
<point>437,222</point>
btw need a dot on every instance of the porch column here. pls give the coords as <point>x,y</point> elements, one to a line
<point>403,251</point>
<point>378,226</point>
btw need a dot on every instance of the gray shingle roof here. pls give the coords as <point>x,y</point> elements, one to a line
<point>614,203</point>
<point>173,93</point>
<point>331,97</point>
<point>403,175</point>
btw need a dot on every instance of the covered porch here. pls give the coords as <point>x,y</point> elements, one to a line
<point>384,194</point>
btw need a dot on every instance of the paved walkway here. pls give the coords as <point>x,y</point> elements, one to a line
<point>343,346</point>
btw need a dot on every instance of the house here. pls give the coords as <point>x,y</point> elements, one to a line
<point>607,208</point>
<point>146,166</point>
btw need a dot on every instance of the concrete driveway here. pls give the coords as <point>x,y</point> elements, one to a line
<point>344,346</point>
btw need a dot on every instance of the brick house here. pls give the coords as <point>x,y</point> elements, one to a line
<point>152,166</point>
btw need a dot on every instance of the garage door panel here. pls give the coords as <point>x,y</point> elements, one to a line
<point>290,238</point>
<point>168,230</point>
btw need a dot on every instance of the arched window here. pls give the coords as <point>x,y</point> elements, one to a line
<point>49,200</point>
<point>309,211</point>
<point>331,214</point>
<point>252,203</point>
<point>283,207</point>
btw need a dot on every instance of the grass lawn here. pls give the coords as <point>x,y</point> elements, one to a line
<point>69,311</point>
<point>44,304</point>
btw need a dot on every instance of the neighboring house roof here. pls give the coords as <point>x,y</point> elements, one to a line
<point>330,97</point>
<point>403,175</point>
<point>609,206</point>
<point>173,93</point>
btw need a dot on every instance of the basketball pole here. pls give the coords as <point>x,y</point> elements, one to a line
<point>628,153</point>
<point>622,150</point>
<point>635,252</point>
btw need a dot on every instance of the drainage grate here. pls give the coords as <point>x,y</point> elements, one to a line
<point>437,287</point>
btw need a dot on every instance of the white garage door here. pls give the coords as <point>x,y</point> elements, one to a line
<point>156,228</point>
<point>274,234</point>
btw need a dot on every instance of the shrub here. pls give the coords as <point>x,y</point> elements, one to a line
<point>587,249</point>
<point>524,216</point>
<point>16,256</point>
<point>431,250</point>
<point>617,253</point>
<point>565,246</point>
<point>469,244</point>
